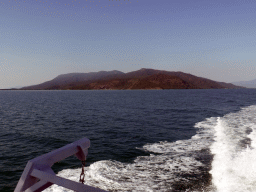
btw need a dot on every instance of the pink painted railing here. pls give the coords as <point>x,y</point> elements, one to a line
<point>38,174</point>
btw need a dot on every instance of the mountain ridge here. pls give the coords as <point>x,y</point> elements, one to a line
<point>247,84</point>
<point>140,79</point>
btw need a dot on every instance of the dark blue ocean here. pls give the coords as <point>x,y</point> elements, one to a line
<point>141,140</point>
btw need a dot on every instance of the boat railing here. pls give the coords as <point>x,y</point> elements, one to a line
<point>38,175</point>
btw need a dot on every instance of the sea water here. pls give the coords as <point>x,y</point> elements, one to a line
<point>170,140</point>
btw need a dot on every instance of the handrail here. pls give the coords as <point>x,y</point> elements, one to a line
<point>38,175</point>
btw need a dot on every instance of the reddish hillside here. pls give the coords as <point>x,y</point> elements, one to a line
<point>141,79</point>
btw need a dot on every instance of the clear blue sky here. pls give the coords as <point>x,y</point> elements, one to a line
<point>40,39</point>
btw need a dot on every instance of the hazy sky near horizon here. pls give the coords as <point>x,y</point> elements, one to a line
<point>40,39</point>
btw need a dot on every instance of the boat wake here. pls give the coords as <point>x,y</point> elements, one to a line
<point>234,150</point>
<point>220,157</point>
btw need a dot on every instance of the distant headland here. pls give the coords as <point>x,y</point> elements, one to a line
<point>141,79</point>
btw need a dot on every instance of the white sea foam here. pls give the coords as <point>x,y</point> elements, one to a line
<point>231,139</point>
<point>153,173</point>
<point>147,173</point>
<point>233,166</point>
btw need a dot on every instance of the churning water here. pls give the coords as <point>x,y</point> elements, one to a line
<point>171,140</point>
